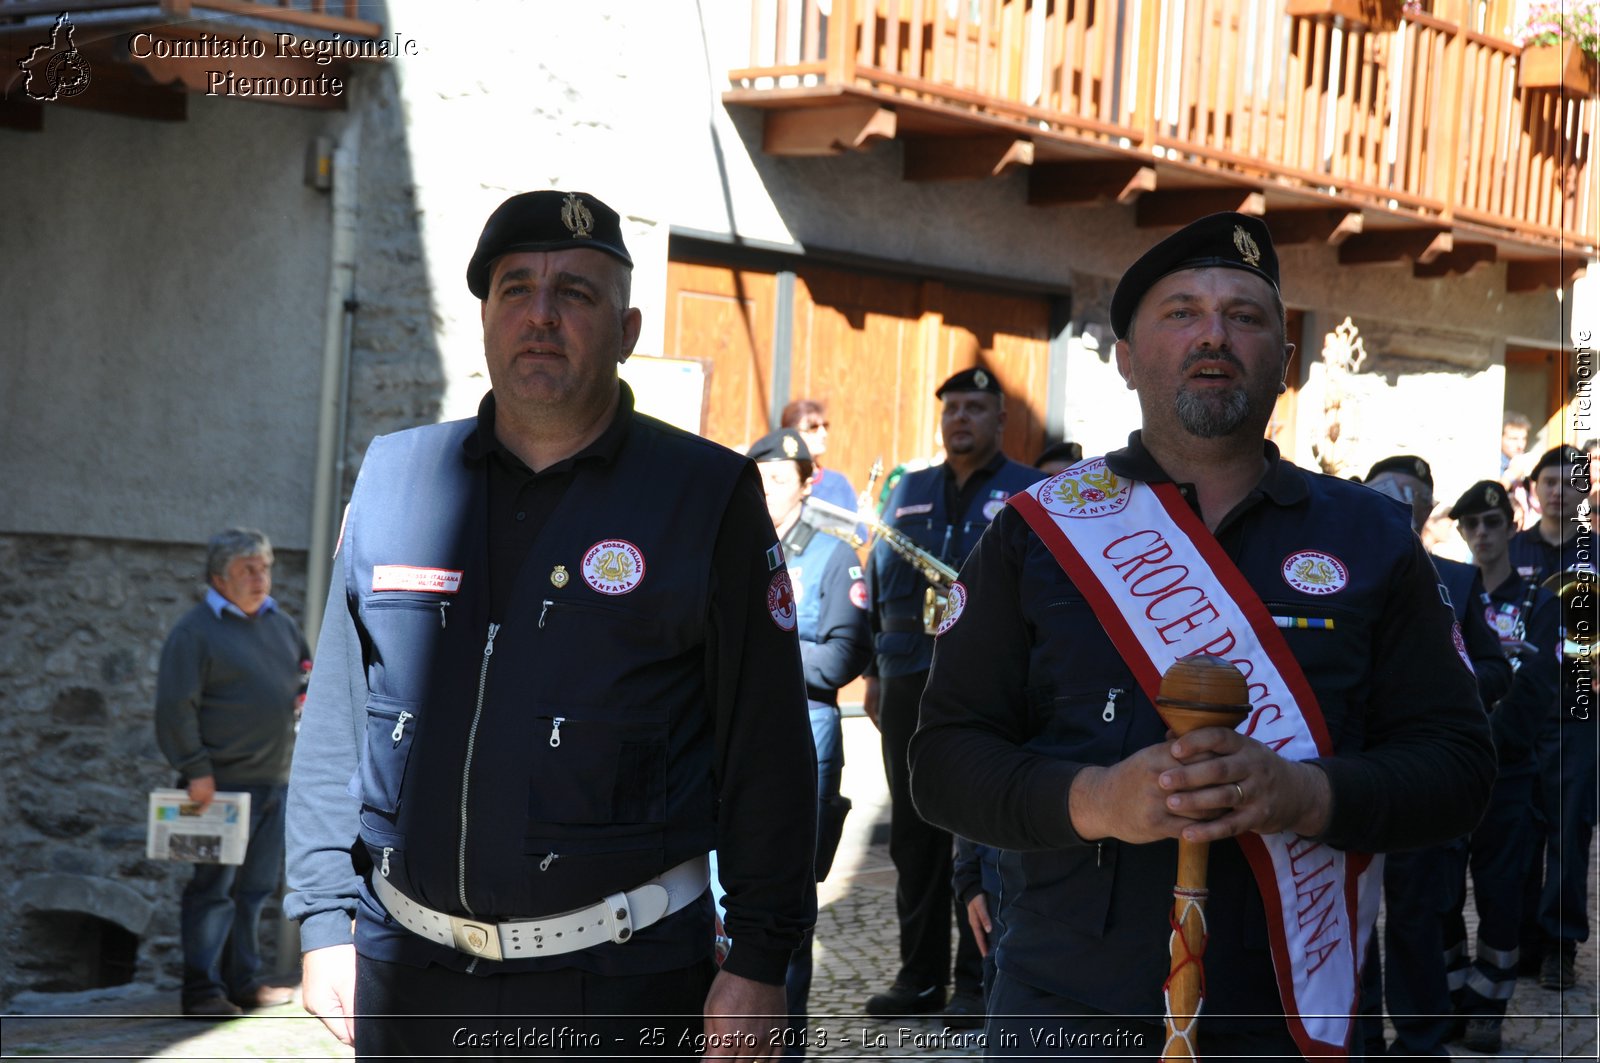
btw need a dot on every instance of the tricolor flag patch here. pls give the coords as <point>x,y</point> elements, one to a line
<point>775,557</point>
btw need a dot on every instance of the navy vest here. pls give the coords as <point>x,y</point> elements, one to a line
<point>569,756</point>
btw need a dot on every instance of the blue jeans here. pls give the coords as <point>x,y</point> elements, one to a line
<point>221,913</point>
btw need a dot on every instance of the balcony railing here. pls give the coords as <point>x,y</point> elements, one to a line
<point>1424,122</point>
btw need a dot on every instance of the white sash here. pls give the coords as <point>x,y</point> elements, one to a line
<point>1162,587</point>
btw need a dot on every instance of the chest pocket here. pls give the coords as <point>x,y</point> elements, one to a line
<point>1325,654</point>
<point>593,763</point>
<point>402,631</point>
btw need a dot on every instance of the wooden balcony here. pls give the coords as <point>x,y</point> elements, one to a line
<point>1413,142</point>
<point>144,59</point>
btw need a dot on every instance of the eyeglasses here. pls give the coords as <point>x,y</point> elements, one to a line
<point>1491,521</point>
<point>815,426</point>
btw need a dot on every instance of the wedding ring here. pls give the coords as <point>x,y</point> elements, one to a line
<point>1240,791</point>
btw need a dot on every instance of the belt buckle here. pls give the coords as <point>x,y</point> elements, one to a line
<point>475,938</point>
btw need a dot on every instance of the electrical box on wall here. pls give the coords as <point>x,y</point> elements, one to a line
<point>319,163</point>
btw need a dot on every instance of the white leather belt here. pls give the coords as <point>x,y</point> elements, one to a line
<point>615,918</point>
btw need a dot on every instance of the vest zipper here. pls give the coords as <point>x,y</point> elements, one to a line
<point>543,610</point>
<point>555,731</point>
<point>550,858</point>
<point>1109,713</point>
<point>466,768</point>
<point>399,731</point>
<point>442,607</point>
<point>384,870</point>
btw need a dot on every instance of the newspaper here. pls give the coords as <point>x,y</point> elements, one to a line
<point>179,830</point>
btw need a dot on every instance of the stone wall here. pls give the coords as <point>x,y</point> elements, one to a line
<point>84,621</point>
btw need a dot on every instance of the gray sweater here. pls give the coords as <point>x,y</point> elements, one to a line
<point>225,696</point>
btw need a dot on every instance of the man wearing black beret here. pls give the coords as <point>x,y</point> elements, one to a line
<point>942,510</point>
<point>1563,541</point>
<point>562,667</point>
<point>1038,735</point>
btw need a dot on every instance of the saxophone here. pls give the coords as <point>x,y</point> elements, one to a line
<point>842,524</point>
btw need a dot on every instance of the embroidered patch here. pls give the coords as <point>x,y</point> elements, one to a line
<point>613,566</point>
<point>911,511</point>
<point>1503,619</point>
<point>858,592</point>
<point>992,507</point>
<point>1461,646</point>
<point>780,601</point>
<point>416,578</point>
<point>1088,489</point>
<point>952,609</point>
<point>1314,572</point>
<point>775,557</point>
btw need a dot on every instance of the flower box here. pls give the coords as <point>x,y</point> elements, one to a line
<point>1561,66</point>
<point>1382,15</point>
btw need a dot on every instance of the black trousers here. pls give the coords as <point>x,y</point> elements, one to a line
<point>922,856</point>
<point>408,1012</point>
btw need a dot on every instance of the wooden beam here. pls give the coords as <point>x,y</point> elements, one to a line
<point>1180,206</point>
<point>1529,274</point>
<point>1059,183</point>
<point>1459,260</point>
<point>1392,245</point>
<point>119,88</point>
<point>804,131</point>
<point>963,158</point>
<point>21,114</point>
<point>1319,225</point>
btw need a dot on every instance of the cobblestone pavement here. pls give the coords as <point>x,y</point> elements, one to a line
<point>856,956</point>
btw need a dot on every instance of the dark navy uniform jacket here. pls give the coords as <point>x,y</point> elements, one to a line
<point>831,598</point>
<point>1518,610</point>
<point>634,707</point>
<point>1464,584</point>
<point>917,508</point>
<point>1027,688</point>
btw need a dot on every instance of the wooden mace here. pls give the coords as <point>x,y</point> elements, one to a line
<point>1196,692</point>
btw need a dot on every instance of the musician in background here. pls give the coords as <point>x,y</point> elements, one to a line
<point>835,644</point>
<point>1526,618</point>
<point>1038,733</point>
<point>943,509</point>
<point>1410,975</point>
<point>1563,542</point>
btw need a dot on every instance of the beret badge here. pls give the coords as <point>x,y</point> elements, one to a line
<point>1246,244</point>
<point>791,447</point>
<point>576,217</point>
<point>981,379</point>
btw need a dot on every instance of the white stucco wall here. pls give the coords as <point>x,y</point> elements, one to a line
<point>162,285</point>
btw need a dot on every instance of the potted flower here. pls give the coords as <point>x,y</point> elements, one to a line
<point>1560,42</point>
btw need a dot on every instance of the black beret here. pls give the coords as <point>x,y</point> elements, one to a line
<point>544,221</point>
<point>1068,451</point>
<point>783,444</point>
<point>1482,497</point>
<point>1560,457</point>
<point>1237,241</point>
<point>1409,464</point>
<point>974,379</point>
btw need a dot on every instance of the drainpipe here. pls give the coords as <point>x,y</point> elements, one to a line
<point>333,401</point>
<point>332,416</point>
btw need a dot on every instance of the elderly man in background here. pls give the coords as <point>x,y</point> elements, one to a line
<point>227,695</point>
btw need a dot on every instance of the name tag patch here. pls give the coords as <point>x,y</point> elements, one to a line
<point>911,511</point>
<point>416,578</point>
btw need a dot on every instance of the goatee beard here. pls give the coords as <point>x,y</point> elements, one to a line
<point>1212,417</point>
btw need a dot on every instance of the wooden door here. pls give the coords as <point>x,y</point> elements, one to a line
<point>725,316</point>
<point>872,347</point>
